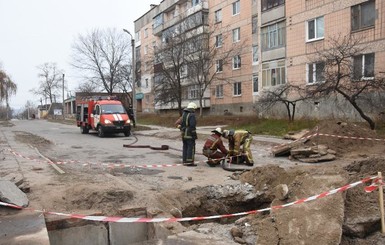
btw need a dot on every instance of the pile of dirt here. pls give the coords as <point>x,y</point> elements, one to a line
<point>362,214</point>
<point>341,137</point>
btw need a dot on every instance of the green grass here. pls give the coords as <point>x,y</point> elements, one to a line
<point>276,127</point>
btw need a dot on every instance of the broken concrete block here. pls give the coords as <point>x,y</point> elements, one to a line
<point>281,192</point>
<point>9,193</point>
<point>322,149</point>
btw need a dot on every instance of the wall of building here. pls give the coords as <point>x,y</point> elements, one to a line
<point>297,51</point>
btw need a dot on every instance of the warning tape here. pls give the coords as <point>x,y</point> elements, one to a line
<point>109,165</point>
<point>350,137</point>
<point>156,220</point>
<point>330,135</point>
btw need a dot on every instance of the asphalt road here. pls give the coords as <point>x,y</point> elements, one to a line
<point>70,144</point>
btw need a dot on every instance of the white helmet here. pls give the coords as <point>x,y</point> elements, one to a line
<point>192,105</point>
<point>226,133</point>
<point>218,131</point>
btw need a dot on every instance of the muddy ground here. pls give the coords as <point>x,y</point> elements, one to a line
<point>349,217</point>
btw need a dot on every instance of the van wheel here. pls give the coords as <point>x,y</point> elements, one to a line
<point>84,130</point>
<point>100,132</point>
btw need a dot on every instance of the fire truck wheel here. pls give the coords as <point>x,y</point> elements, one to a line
<point>100,132</point>
<point>127,133</point>
<point>83,130</point>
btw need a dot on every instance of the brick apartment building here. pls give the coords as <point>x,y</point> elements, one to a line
<point>274,40</point>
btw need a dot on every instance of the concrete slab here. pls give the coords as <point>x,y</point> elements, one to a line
<point>86,235</point>
<point>9,193</point>
<point>23,228</point>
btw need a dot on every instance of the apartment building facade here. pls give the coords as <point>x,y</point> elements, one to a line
<point>272,42</point>
<point>311,24</point>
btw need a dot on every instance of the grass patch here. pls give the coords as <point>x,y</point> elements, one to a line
<point>277,127</point>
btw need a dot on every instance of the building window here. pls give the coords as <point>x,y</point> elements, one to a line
<point>183,71</point>
<point>196,2</point>
<point>236,35</point>
<point>237,62</point>
<point>273,36</point>
<point>158,20</point>
<point>363,66</point>
<point>273,73</point>
<point>145,49</point>
<point>237,89</point>
<point>255,54</point>
<point>218,15</point>
<point>363,15</point>
<point>236,7</point>
<point>137,36</point>
<point>146,82</point>
<point>219,91</point>
<point>146,32</point>
<point>254,25</point>
<point>315,72</point>
<point>269,4</point>
<point>315,29</point>
<point>193,92</point>
<point>255,83</point>
<point>218,40</point>
<point>219,65</point>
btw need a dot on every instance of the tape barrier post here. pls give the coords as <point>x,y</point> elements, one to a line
<point>381,199</point>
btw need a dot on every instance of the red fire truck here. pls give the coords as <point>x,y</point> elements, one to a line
<point>102,115</point>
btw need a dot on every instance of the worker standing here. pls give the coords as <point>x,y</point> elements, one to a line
<point>214,149</point>
<point>187,125</point>
<point>237,139</point>
<point>131,115</point>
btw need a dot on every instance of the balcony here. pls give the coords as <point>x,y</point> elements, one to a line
<point>204,5</point>
<point>157,31</point>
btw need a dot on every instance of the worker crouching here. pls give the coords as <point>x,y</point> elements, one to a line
<point>239,139</point>
<point>214,149</point>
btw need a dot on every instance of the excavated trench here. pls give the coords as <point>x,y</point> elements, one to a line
<point>196,202</point>
<point>352,217</point>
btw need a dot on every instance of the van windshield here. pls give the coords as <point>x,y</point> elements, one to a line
<point>113,109</point>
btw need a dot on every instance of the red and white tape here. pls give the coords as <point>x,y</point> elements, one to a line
<point>156,220</point>
<point>330,135</point>
<point>109,165</point>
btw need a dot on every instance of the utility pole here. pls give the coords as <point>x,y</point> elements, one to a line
<point>133,73</point>
<point>63,96</point>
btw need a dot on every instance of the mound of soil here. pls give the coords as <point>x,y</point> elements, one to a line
<point>341,138</point>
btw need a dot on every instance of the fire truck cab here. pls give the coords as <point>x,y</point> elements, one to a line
<point>102,115</point>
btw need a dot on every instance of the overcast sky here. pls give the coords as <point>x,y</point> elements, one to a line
<point>33,32</point>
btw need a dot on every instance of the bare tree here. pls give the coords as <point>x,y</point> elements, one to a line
<point>187,57</point>
<point>206,58</point>
<point>286,94</point>
<point>101,56</point>
<point>126,81</point>
<point>7,89</point>
<point>168,69</point>
<point>28,111</point>
<point>344,74</point>
<point>87,87</point>
<point>50,84</point>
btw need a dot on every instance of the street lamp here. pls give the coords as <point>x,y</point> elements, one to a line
<point>133,74</point>
<point>63,97</point>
